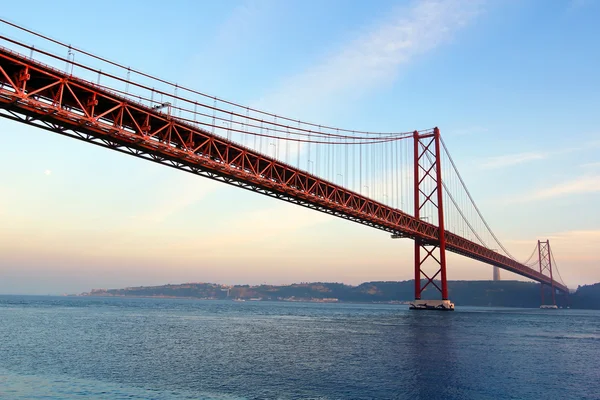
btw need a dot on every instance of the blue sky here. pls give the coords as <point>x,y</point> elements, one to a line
<point>511,84</point>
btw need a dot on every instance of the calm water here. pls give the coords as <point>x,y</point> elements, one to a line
<point>72,348</point>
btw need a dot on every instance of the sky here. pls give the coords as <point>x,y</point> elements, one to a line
<point>511,84</point>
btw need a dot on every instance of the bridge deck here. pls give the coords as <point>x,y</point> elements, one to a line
<point>42,96</point>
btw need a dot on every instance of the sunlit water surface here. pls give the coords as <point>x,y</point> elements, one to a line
<point>121,348</point>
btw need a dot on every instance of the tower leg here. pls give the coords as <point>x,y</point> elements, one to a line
<point>545,263</point>
<point>417,269</point>
<point>428,190</point>
<point>551,278</point>
<point>540,260</point>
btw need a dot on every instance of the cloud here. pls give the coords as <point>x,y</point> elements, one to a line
<point>591,165</point>
<point>577,235</point>
<point>582,185</point>
<point>47,172</point>
<point>181,197</point>
<point>579,4</point>
<point>512,159</point>
<point>375,58</point>
<point>594,144</point>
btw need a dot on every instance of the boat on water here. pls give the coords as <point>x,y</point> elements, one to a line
<point>548,306</point>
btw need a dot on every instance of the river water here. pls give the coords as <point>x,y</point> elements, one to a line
<point>127,348</point>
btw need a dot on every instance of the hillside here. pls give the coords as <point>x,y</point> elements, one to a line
<point>472,293</point>
<point>587,297</point>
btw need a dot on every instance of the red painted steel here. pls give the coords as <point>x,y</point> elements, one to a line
<point>417,202</point>
<point>540,263</point>
<point>440,207</point>
<point>39,95</point>
<point>545,263</point>
<point>428,171</point>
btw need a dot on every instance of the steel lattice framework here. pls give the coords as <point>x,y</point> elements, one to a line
<point>428,190</point>
<point>545,263</point>
<point>42,96</point>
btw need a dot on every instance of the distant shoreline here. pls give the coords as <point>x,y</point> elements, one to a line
<point>468,293</point>
<point>109,296</point>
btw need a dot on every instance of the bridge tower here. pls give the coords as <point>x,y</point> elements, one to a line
<point>545,262</point>
<point>429,199</point>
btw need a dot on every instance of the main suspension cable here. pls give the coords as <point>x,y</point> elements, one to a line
<point>176,86</point>
<point>473,201</point>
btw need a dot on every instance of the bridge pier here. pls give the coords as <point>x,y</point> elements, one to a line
<point>438,305</point>
<point>428,192</point>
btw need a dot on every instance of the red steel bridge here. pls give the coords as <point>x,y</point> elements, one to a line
<point>404,183</point>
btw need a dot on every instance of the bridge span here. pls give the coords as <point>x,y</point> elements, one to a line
<point>46,97</point>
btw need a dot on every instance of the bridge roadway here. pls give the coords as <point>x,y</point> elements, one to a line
<point>47,98</point>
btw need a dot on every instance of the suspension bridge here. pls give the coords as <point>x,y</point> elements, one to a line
<point>404,183</point>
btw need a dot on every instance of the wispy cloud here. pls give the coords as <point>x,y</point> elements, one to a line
<point>512,159</point>
<point>594,144</point>
<point>582,185</point>
<point>375,58</point>
<point>577,234</point>
<point>591,165</point>
<point>579,4</point>
<point>183,196</point>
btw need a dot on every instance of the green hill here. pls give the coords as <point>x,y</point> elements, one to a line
<point>468,293</point>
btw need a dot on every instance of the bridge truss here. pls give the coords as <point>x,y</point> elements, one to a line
<point>43,96</point>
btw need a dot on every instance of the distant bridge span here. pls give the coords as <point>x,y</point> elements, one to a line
<point>39,95</point>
